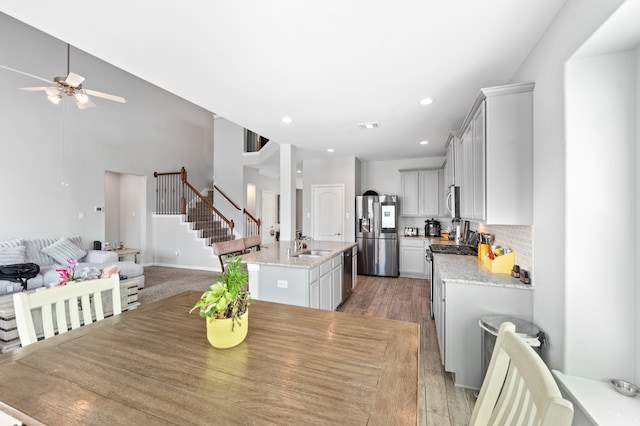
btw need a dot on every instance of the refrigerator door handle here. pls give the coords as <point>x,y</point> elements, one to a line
<point>375,222</point>
<point>376,248</point>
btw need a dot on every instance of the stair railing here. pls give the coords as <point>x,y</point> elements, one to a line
<point>174,193</point>
<point>251,224</point>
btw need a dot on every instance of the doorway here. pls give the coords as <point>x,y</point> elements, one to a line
<point>125,209</point>
<point>327,206</point>
<point>268,227</point>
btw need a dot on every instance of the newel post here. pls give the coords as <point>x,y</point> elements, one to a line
<point>183,200</point>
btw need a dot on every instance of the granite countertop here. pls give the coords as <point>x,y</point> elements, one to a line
<point>469,270</point>
<point>275,254</point>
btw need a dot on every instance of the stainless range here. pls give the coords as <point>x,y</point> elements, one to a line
<point>454,249</point>
<point>464,250</point>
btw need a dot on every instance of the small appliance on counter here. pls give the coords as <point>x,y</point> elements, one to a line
<point>431,228</point>
<point>410,232</point>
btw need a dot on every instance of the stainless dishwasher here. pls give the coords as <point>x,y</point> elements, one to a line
<point>347,274</point>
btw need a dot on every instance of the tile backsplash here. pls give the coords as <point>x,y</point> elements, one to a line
<point>519,238</point>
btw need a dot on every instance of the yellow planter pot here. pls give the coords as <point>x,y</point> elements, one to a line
<point>221,335</point>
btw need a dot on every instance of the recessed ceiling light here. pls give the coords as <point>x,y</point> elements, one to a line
<point>424,142</point>
<point>371,125</point>
<point>426,101</point>
<point>330,150</point>
<point>299,171</point>
<point>286,119</point>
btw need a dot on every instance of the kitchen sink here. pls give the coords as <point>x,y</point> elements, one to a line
<point>306,255</point>
<point>317,252</point>
<point>311,254</point>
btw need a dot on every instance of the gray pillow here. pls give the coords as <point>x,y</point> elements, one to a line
<point>11,243</point>
<point>34,253</point>
<point>63,249</point>
<point>12,255</point>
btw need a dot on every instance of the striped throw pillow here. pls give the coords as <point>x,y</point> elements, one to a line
<point>63,249</point>
<point>12,255</point>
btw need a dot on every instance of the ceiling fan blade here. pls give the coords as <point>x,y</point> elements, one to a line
<point>74,80</point>
<point>105,96</point>
<point>27,74</point>
<point>35,89</point>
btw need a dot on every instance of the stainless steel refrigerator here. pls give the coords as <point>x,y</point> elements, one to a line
<point>377,235</point>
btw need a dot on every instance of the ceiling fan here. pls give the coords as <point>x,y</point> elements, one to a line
<point>71,85</point>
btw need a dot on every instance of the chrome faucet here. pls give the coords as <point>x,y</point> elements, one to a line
<point>300,244</point>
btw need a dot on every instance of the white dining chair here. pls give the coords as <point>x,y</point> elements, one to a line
<point>519,388</point>
<point>72,304</point>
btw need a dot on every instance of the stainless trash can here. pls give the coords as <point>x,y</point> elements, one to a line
<point>490,325</point>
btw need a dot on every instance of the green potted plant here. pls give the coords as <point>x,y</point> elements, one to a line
<point>226,306</point>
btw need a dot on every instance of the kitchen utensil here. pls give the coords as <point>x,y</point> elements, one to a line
<point>625,388</point>
<point>465,232</point>
<point>473,238</point>
<point>483,249</point>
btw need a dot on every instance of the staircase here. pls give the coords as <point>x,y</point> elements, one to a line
<point>176,196</point>
<point>199,214</point>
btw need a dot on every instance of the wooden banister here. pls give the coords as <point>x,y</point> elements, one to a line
<point>175,194</point>
<point>226,197</point>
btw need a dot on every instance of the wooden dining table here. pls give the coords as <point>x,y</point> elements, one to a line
<point>154,365</point>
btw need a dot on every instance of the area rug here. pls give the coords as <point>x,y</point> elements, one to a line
<point>161,282</point>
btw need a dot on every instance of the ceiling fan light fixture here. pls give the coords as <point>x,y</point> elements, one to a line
<point>55,99</point>
<point>81,98</point>
<point>51,91</point>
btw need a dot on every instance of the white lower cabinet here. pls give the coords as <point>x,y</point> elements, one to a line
<point>314,288</point>
<point>458,306</point>
<point>325,285</point>
<point>412,258</point>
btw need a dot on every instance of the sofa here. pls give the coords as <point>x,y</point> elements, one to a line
<point>50,253</point>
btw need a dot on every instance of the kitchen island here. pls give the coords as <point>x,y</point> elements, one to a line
<point>310,277</point>
<point>464,292</point>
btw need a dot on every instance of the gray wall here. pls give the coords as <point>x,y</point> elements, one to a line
<point>42,144</point>
<point>384,176</point>
<point>546,67</point>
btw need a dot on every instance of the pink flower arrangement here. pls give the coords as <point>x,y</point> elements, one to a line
<point>67,274</point>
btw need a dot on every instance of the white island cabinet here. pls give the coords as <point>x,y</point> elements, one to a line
<point>277,274</point>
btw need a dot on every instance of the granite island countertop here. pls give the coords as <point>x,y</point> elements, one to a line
<point>279,253</point>
<point>469,270</point>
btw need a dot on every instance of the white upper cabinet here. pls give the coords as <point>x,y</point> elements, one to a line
<point>420,193</point>
<point>410,189</point>
<point>496,152</point>
<point>478,164</point>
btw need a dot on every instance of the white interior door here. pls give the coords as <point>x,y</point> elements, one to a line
<point>327,223</point>
<point>268,226</point>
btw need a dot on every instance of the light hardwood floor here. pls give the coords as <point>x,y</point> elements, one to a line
<point>406,299</point>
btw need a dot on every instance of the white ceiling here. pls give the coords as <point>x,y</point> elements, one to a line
<point>329,65</point>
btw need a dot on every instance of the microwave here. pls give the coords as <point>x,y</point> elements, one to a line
<point>453,201</point>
